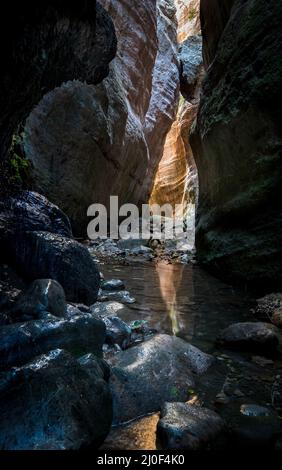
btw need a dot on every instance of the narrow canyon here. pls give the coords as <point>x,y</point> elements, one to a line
<point>139,340</point>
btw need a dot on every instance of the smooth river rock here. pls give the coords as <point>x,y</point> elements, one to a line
<point>54,403</point>
<point>256,336</point>
<point>159,370</point>
<point>80,334</point>
<point>188,427</point>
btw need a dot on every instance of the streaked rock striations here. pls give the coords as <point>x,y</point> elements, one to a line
<point>176,176</point>
<point>87,143</point>
<point>237,143</point>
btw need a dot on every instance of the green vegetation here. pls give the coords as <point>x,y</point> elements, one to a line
<point>192,14</point>
<point>18,166</point>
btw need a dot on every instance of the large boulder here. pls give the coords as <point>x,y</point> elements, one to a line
<point>161,369</point>
<point>43,255</point>
<point>188,427</point>
<point>237,141</point>
<point>54,403</point>
<point>80,334</point>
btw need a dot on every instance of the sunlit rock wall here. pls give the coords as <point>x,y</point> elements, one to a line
<point>176,177</point>
<point>89,142</point>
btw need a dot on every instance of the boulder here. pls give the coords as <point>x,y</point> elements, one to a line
<point>20,342</point>
<point>188,427</point>
<point>29,211</point>
<point>54,403</point>
<point>42,297</point>
<point>46,255</point>
<point>256,336</point>
<point>276,318</point>
<point>122,296</point>
<point>268,305</point>
<point>161,369</point>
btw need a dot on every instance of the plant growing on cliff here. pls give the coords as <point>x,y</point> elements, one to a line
<point>18,168</point>
<point>192,14</point>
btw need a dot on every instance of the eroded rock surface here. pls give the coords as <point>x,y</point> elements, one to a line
<point>111,135</point>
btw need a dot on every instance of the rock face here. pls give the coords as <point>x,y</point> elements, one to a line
<point>87,143</point>
<point>47,255</point>
<point>44,45</point>
<point>237,140</point>
<point>54,403</point>
<point>21,342</point>
<point>176,177</point>
<point>188,427</point>
<point>161,369</point>
<point>188,18</point>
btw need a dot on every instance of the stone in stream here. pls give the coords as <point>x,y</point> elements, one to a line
<point>159,370</point>
<point>54,403</point>
<point>267,306</point>
<point>188,427</point>
<point>43,255</point>
<point>117,332</point>
<point>250,335</point>
<point>42,297</point>
<point>113,285</point>
<point>119,296</point>
<point>80,334</point>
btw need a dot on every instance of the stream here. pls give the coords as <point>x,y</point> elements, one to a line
<point>186,301</point>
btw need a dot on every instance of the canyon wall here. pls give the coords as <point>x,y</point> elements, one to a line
<point>237,141</point>
<point>176,177</point>
<point>43,45</point>
<point>86,142</point>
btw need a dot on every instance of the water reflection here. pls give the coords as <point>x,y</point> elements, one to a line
<point>182,300</point>
<point>170,277</point>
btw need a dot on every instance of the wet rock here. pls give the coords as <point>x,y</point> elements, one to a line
<point>29,211</point>
<point>161,369</point>
<point>188,427</point>
<point>257,427</point>
<point>117,332</point>
<point>113,285</point>
<point>95,366</point>
<point>141,250</point>
<point>79,334</point>
<point>67,405</point>
<point>42,255</point>
<point>254,410</point>
<point>42,297</point>
<point>105,309</point>
<point>267,306</point>
<point>256,336</point>
<point>123,297</point>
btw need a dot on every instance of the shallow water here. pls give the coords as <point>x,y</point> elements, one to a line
<point>186,301</point>
<point>183,300</point>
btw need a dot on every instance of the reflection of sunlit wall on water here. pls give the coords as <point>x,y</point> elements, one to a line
<point>170,277</point>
